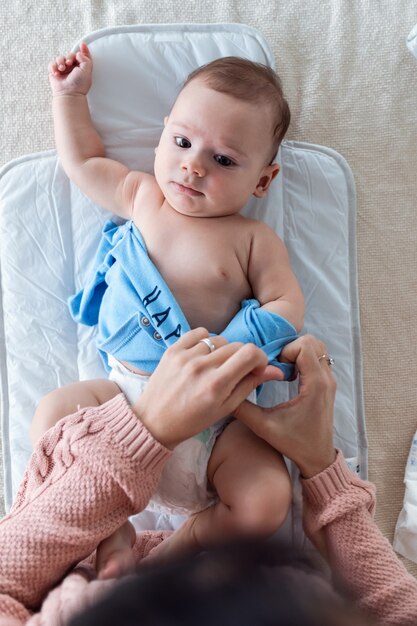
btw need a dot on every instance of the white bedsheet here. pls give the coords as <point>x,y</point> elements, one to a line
<point>49,230</point>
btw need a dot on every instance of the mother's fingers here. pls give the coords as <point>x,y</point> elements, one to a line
<point>189,339</point>
<point>222,353</point>
<point>306,344</point>
<point>198,342</point>
<point>208,345</point>
<point>244,386</point>
<point>242,372</point>
<point>305,352</point>
<point>246,358</point>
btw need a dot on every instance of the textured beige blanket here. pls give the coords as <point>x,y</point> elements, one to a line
<point>352,86</point>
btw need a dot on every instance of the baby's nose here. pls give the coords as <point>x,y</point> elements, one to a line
<point>193,166</point>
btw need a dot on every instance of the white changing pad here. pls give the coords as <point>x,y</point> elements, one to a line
<point>49,231</point>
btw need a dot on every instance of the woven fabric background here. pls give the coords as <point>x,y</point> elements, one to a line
<point>352,86</point>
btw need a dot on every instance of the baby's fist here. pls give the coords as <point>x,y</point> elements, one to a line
<point>71,74</point>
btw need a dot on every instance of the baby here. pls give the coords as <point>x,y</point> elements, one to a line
<point>186,258</point>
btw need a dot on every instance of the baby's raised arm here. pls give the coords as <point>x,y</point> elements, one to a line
<point>271,277</point>
<point>105,181</point>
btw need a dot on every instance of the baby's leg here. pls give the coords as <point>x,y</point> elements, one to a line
<point>254,489</point>
<point>253,486</point>
<point>67,400</point>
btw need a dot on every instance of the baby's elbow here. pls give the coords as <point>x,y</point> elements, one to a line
<point>298,313</point>
<point>297,320</point>
<point>299,324</point>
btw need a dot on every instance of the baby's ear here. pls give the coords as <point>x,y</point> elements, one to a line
<point>268,175</point>
<point>166,120</point>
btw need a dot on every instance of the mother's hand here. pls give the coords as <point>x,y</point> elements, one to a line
<point>193,387</point>
<point>302,428</point>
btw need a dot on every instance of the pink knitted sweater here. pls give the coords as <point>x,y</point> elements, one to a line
<point>100,465</point>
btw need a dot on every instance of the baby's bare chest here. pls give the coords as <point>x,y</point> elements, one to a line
<point>204,265</point>
<point>193,253</point>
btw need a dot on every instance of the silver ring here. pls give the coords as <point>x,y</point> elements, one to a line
<point>329,359</point>
<point>210,345</point>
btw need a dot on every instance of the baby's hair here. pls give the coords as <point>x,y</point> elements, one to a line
<point>250,82</point>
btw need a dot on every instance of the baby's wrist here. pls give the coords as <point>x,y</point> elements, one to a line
<point>68,95</point>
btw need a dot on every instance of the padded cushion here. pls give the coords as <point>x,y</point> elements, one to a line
<point>412,41</point>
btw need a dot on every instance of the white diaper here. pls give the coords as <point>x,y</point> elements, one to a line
<point>183,487</point>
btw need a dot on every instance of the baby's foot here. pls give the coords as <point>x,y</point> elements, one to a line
<point>179,543</point>
<point>115,554</point>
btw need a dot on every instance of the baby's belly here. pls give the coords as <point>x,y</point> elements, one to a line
<point>134,369</point>
<point>211,310</point>
<point>210,297</point>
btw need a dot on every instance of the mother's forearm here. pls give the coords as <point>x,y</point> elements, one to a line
<point>86,476</point>
<point>339,507</point>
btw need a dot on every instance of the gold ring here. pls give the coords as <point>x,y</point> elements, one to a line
<point>210,345</point>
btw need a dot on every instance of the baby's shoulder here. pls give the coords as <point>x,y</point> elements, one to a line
<point>259,230</point>
<point>148,196</point>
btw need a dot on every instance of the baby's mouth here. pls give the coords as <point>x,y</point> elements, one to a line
<point>186,190</point>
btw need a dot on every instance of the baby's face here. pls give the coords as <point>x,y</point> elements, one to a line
<point>213,153</point>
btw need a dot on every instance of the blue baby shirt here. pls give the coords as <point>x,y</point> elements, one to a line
<point>138,317</point>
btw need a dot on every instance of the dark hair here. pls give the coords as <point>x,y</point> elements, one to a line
<point>240,584</point>
<point>251,82</point>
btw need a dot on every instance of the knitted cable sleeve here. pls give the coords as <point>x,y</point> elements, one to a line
<point>73,596</point>
<point>80,589</point>
<point>342,505</point>
<point>88,474</point>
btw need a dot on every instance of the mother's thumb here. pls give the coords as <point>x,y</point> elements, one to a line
<point>251,415</point>
<point>269,424</point>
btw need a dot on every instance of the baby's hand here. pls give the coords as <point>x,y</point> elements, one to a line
<point>71,74</point>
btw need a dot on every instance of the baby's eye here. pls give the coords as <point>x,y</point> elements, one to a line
<point>182,142</point>
<point>223,160</point>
